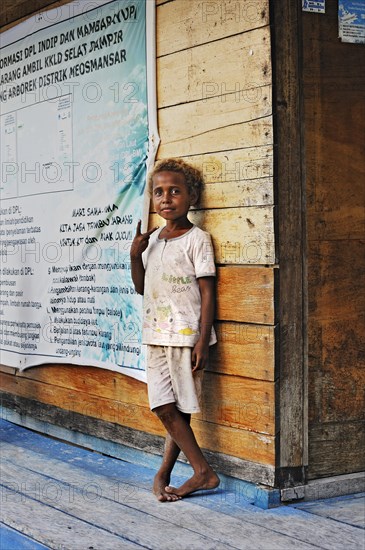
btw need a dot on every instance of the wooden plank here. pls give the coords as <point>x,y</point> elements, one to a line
<point>132,415</point>
<point>245,350</point>
<point>253,133</point>
<point>240,63</point>
<point>215,437</point>
<point>349,510</point>
<point>291,242</point>
<point>245,294</point>
<point>337,363</point>
<point>243,235</point>
<point>8,370</point>
<point>333,95</point>
<point>335,278</point>
<point>344,223</point>
<point>235,442</point>
<point>336,448</point>
<point>43,522</point>
<point>195,518</point>
<point>233,400</point>
<point>238,165</point>
<point>119,441</point>
<point>335,486</point>
<point>125,484</point>
<point>117,526</point>
<point>242,177</point>
<point>239,402</point>
<point>182,25</point>
<point>207,115</point>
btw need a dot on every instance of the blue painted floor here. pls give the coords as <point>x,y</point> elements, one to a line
<point>56,495</point>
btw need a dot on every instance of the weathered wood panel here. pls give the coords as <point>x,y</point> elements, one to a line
<point>344,223</point>
<point>240,64</point>
<point>338,370</point>
<point>244,350</point>
<point>334,87</point>
<point>291,243</point>
<point>232,401</point>
<point>242,177</point>
<point>252,133</point>
<point>336,447</point>
<point>245,294</point>
<point>183,23</point>
<point>336,279</point>
<point>239,402</point>
<point>240,165</point>
<point>189,120</point>
<point>240,235</point>
<point>235,441</point>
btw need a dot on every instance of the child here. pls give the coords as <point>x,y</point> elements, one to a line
<point>174,269</point>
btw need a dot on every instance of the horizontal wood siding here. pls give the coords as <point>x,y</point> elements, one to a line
<point>214,109</point>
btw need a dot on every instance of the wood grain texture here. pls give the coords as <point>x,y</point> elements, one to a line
<point>252,133</point>
<point>245,294</point>
<point>241,63</point>
<point>242,177</point>
<point>336,279</point>
<point>233,441</point>
<point>239,235</point>
<point>244,350</point>
<point>105,437</point>
<point>181,25</point>
<point>337,370</point>
<point>227,400</point>
<point>238,402</point>
<point>334,88</point>
<point>291,238</point>
<point>336,449</point>
<point>189,120</point>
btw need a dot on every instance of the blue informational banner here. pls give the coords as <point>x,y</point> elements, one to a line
<point>78,134</point>
<point>351,21</point>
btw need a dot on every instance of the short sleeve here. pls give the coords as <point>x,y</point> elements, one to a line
<point>203,256</point>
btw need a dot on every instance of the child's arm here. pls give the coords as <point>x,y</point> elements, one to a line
<point>201,349</point>
<point>139,245</point>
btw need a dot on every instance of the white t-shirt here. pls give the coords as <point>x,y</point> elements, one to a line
<point>172,301</point>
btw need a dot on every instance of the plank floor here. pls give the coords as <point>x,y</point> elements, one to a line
<point>56,495</point>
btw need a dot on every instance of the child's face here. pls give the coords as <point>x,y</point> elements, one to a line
<point>170,195</point>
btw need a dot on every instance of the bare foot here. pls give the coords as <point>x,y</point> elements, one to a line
<point>159,484</point>
<point>198,482</point>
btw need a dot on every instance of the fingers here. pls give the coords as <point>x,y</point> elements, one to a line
<point>138,230</point>
<point>197,361</point>
<point>147,234</point>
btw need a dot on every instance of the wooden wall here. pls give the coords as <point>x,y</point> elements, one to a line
<point>214,110</point>
<point>334,94</point>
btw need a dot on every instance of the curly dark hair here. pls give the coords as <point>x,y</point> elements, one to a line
<point>193,177</point>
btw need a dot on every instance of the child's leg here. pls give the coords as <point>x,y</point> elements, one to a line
<point>181,433</point>
<point>162,478</point>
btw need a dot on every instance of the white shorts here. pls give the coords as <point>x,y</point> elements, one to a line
<point>170,378</point>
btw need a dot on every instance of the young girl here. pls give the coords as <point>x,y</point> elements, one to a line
<point>174,269</point>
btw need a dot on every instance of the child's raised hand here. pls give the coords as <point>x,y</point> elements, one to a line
<point>140,241</point>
